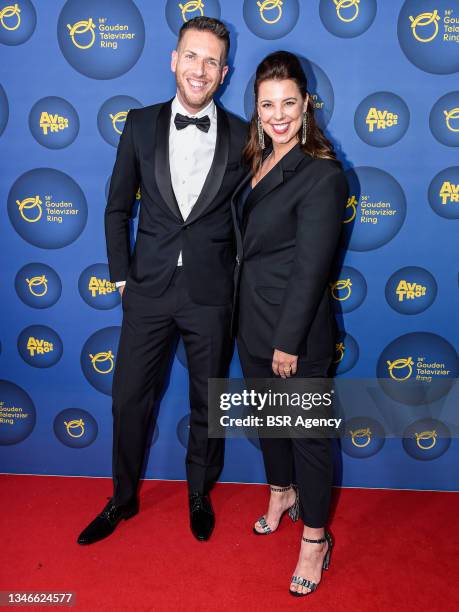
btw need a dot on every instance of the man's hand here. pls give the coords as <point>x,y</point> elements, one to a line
<point>284,364</point>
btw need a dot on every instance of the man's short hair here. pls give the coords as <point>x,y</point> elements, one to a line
<point>208,24</point>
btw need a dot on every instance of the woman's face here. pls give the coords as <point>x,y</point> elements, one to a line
<point>280,107</point>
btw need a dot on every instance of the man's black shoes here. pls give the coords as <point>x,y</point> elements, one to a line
<point>105,523</point>
<point>202,517</point>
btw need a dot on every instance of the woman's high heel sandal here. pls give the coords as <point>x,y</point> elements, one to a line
<point>293,511</point>
<point>309,584</point>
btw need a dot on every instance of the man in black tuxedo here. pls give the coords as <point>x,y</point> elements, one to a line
<point>185,155</point>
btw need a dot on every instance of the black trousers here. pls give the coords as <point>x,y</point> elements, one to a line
<point>148,335</point>
<point>307,462</point>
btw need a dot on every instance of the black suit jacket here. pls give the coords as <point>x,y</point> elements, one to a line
<point>206,238</point>
<point>291,223</point>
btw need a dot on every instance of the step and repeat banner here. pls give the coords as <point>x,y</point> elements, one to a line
<point>384,79</point>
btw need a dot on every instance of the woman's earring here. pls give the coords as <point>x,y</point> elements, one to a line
<point>261,135</point>
<point>304,133</point>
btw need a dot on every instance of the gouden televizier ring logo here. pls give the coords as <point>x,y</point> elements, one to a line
<point>342,5</point>
<point>352,203</point>
<point>270,5</point>
<point>118,118</point>
<point>400,364</point>
<point>450,115</point>
<point>422,20</point>
<point>344,284</point>
<point>75,428</point>
<point>29,204</point>
<point>7,12</point>
<point>422,439</point>
<point>38,285</point>
<point>81,27</point>
<point>339,349</point>
<point>191,7</point>
<point>361,437</point>
<point>103,357</point>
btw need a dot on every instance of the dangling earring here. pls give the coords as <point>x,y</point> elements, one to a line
<point>304,132</point>
<point>261,134</point>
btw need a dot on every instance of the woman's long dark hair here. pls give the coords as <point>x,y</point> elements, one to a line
<point>282,65</point>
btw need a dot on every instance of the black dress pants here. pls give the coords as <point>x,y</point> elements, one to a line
<point>148,335</point>
<point>304,461</point>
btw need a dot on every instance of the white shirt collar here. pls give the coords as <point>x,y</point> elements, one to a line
<point>209,110</point>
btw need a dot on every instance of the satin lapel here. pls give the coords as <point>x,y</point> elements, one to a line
<point>162,167</point>
<point>217,170</point>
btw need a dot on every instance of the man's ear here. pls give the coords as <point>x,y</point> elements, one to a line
<point>224,73</point>
<point>174,59</point>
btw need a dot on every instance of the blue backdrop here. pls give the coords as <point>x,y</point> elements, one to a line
<point>384,80</point>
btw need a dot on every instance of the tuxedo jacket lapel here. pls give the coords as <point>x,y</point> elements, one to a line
<point>162,166</point>
<point>217,170</point>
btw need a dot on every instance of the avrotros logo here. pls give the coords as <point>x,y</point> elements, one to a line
<point>17,414</point>
<point>444,119</point>
<point>96,289</point>
<point>75,427</point>
<point>54,122</point>
<point>17,21</point>
<point>179,12</point>
<point>411,290</point>
<point>319,87</point>
<point>428,33</point>
<point>40,346</point>
<point>346,353</point>
<point>363,437</point>
<point>347,18</point>
<point>271,19</point>
<point>38,285</point>
<point>348,289</point>
<point>47,208</point>
<point>381,119</point>
<point>375,211</point>
<point>426,439</point>
<point>98,358</point>
<point>101,39</point>
<point>417,368</point>
<point>444,193</point>
<point>112,117</point>
<point>4,110</point>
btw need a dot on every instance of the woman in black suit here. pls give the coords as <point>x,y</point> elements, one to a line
<point>289,211</point>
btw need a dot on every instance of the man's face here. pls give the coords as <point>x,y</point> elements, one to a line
<point>199,68</point>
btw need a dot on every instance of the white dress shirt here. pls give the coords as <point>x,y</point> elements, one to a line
<point>191,152</point>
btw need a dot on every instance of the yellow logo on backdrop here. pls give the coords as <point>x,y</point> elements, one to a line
<point>270,5</point>
<point>118,118</point>
<point>75,428</point>
<point>100,286</point>
<point>361,437</point>
<point>191,7</point>
<point>426,439</point>
<point>339,348</point>
<point>35,346</point>
<point>29,204</point>
<point>12,10</point>
<point>422,20</point>
<point>81,27</point>
<point>138,195</point>
<point>352,203</point>
<point>343,284</point>
<point>52,123</point>
<point>342,5</point>
<point>403,363</point>
<point>103,357</point>
<point>449,192</point>
<point>38,285</point>
<point>380,119</point>
<point>408,291</point>
<point>450,115</point>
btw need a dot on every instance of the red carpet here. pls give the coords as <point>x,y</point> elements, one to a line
<point>394,550</point>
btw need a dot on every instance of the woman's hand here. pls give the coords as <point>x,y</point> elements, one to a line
<point>284,364</point>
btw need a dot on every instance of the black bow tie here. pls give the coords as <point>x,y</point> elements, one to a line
<point>202,123</point>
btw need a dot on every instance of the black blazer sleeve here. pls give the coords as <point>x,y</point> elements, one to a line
<point>318,231</point>
<point>121,198</point>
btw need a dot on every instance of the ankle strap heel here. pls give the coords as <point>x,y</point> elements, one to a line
<point>304,582</point>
